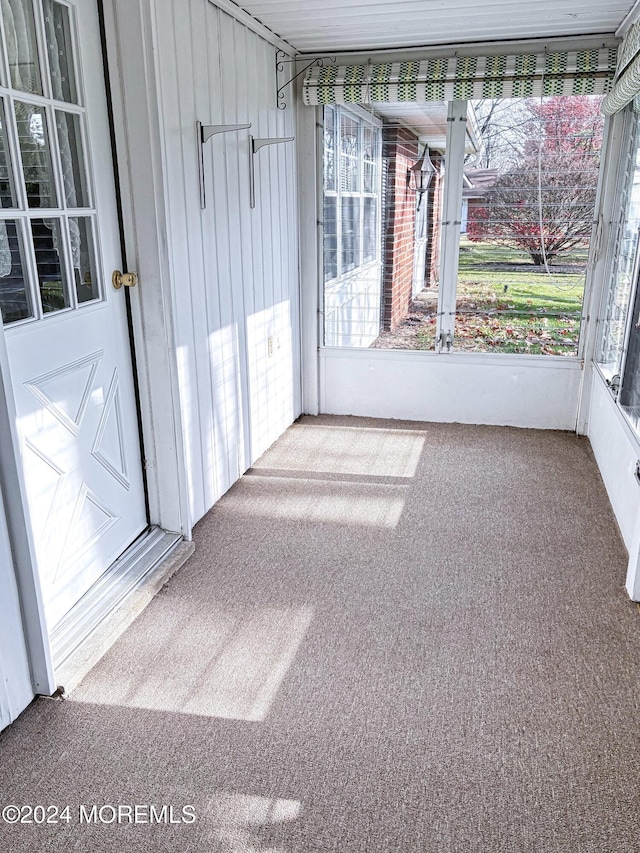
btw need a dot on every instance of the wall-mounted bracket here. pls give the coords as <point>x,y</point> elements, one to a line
<point>254,146</point>
<point>204,132</point>
<point>280,64</point>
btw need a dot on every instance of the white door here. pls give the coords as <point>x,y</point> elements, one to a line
<point>65,325</point>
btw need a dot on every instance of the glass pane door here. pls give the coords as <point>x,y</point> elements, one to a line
<point>48,222</point>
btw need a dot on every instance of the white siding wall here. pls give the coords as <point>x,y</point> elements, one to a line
<point>234,270</point>
<point>616,452</point>
<point>540,392</point>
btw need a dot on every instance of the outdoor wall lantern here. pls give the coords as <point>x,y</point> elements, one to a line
<point>420,174</point>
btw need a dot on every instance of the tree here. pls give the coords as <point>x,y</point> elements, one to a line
<point>547,156</point>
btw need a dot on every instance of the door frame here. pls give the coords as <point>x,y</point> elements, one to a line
<point>130,78</point>
<point>12,485</point>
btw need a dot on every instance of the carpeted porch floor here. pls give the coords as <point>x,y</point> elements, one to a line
<point>392,637</point>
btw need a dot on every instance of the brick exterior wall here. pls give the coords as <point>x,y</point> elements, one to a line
<point>399,153</point>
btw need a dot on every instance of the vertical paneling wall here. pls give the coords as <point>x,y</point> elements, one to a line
<point>235,270</point>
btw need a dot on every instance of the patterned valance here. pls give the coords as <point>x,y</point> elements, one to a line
<point>627,81</point>
<point>571,72</point>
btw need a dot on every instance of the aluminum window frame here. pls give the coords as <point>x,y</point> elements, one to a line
<point>628,168</point>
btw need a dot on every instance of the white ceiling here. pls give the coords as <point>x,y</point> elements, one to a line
<point>429,122</point>
<point>344,25</point>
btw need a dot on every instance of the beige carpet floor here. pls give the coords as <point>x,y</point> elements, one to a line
<point>392,637</point>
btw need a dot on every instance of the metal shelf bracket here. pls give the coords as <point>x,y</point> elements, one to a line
<point>204,132</point>
<point>254,146</point>
<point>280,64</point>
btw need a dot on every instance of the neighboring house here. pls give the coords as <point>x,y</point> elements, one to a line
<point>477,182</point>
<point>128,408</point>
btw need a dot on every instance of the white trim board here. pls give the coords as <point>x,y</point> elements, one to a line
<point>129,33</point>
<point>492,48</point>
<point>309,187</point>
<point>522,391</point>
<point>630,19</point>
<point>255,25</point>
<point>20,537</point>
<point>16,690</point>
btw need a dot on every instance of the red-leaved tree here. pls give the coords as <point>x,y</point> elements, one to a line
<point>547,159</point>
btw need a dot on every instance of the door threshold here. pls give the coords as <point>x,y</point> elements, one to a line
<point>103,613</point>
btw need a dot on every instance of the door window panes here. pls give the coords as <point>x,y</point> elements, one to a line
<point>49,247</point>
<point>15,300</point>
<point>7,187</point>
<point>47,243</point>
<point>22,52</point>
<point>83,258</point>
<point>31,121</point>
<point>57,27</point>
<point>74,173</point>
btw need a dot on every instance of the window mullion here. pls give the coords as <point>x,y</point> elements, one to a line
<point>22,223</point>
<point>41,41</point>
<point>451,207</point>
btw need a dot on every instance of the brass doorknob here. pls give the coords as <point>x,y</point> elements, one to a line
<point>129,279</point>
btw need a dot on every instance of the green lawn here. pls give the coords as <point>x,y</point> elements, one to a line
<point>472,254</point>
<point>505,304</point>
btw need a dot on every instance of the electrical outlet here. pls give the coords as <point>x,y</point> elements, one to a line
<point>270,346</point>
